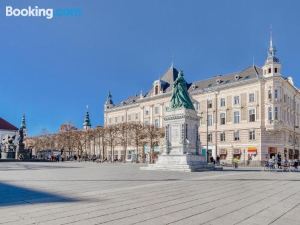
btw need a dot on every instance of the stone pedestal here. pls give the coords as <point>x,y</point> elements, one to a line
<point>181,149</point>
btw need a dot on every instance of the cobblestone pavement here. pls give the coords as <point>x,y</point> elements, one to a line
<point>90,193</point>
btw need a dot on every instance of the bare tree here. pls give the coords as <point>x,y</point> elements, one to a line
<point>100,136</point>
<point>136,136</point>
<point>111,135</point>
<point>152,138</point>
<point>123,135</point>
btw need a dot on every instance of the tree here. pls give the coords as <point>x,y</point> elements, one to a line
<point>123,129</point>
<point>136,136</point>
<point>152,138</point>
<point>111,135</point>
<point>100,134</point>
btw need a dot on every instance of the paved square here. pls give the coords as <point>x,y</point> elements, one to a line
<point>90,193</point>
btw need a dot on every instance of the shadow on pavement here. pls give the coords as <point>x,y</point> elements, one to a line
<point>14,195</point>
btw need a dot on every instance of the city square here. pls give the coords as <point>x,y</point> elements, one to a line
<point>118,193</point>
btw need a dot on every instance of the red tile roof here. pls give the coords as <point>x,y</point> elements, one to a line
<point>4,125</point>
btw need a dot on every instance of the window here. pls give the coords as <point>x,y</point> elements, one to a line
<point>269,70</point>
<point>109,120</point>
<point>236,116</point>
<point>236,136</point>
<point>251,97</point>
<point>209,137</point>
<point>275,70</point>
<point>276,113</point>
<point>222,102</point>
<point>129,117</point>
<point>156,123</point>
<point>209,104</point>
<point>209,120</point>
<point>196,106</point>
<point>147,112</point>
<point>276,94</point>
<point>236,100</point>
<point>222,136</point>
<point>252,115</point>
<point>116,119</point>
<point>156,110</point>
<point>222,118</point>
<point>146,122</point>
<point>270,94</point>
<point>270,115</point>
<point>252,135</point>
<point>136,116</point>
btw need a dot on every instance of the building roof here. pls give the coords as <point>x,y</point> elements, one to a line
<point>167,81</point>
<point>252,72</point>
<point>4,125</point>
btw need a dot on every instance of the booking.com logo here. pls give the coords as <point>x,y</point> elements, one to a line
<point>48,13</point>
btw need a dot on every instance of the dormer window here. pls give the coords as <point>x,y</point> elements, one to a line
<point>237,77</point>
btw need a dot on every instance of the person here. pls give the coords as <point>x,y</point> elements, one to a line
<point>218,160</point>
<point>235,162</point>
<point>279,161</point>
<point>296,163</point>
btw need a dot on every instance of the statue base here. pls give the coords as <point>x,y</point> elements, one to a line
<point>184,163</point>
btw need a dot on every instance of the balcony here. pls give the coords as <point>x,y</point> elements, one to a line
<point>274,125</point>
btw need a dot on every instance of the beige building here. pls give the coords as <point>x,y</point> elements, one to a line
<point>252,114</point>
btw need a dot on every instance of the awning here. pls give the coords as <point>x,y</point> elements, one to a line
<point>236,151</point>
<point>223,151</point>
<point>252,150</point>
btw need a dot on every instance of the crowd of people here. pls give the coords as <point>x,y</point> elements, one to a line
<point>276,162</point>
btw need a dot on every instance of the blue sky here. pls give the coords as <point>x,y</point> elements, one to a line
<point>52,69</point>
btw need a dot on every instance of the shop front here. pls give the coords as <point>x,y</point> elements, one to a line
<point>236,153</point>
<point>296,155</point>
<point>223,154</point>
<point>272,151</point>
<point>252,153</point>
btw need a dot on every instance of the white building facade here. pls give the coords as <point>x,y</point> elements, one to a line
<point>251,115</point>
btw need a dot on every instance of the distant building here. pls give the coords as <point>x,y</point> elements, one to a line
<point>7,128</point>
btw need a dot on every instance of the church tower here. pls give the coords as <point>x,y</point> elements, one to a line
<point>23,125</point>
<point>87,122</point>
<point>272,65</point>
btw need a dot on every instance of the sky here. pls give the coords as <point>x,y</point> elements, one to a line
<point>50,69</point>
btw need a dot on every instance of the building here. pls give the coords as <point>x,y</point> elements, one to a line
<point>7,132</point>
<point>252,114</point>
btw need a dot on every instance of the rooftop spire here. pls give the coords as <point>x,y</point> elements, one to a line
<point>87,121</point>
<point>23,122</point>
<point>272,50</point>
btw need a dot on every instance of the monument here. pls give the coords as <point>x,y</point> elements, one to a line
<point>180,151</point>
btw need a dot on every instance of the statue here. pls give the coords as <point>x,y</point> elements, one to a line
<point>8,147</point>
<point>180,96</point>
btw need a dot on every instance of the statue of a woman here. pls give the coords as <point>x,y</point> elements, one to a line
<point>180,96</point>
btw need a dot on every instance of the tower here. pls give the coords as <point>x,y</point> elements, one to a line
<point>23,125</point>
<point>272,66</point>
<point>109,102</point>
<point>87,122</point>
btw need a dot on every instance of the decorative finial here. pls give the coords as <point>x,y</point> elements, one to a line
<point>271,37</point>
